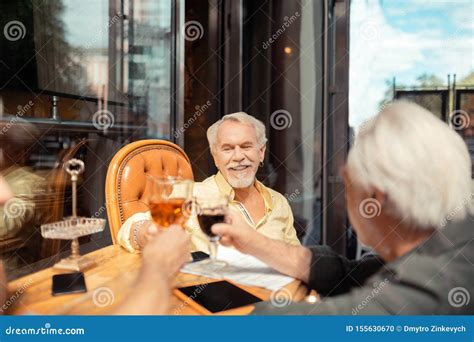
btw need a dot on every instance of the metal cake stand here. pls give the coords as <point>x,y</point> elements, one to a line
<point>73,227</point>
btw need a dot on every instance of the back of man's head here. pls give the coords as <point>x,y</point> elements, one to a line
<point>422,165</point>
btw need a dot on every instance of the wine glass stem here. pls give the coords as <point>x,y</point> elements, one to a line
<point>213,244</point>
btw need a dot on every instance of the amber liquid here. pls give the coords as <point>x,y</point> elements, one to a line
<point>168,212</point>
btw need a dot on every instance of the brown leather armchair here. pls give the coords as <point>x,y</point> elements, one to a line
<point>126,187</point>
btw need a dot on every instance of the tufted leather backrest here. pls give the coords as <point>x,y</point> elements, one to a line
<point>127,189</point>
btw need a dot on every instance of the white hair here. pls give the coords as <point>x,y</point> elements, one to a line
<point>237,117</point>
<point>422,166</point>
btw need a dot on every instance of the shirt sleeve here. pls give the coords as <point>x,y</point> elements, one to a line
<point>199,242</point>
<point>332,274</point>
<point>383,294</point>
<point>123,235</point>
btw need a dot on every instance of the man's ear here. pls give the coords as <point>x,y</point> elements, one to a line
<point>343,173</point>
<point>213,157</point>
<point>262,152</point>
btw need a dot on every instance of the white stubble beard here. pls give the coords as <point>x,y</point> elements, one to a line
<point>240,183</point>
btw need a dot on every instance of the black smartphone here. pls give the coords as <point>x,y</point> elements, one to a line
<point>68,283</point>
<point>198,256</point>
<point>218,296</point>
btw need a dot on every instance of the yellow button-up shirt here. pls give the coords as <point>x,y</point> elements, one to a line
<point>277,223</point>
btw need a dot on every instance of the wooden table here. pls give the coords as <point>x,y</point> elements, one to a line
<point>108,284</point>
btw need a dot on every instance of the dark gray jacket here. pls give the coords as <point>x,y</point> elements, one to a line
<point>436,277</point>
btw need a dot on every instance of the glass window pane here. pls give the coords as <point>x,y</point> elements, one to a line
<point>281,87</point>
<point>77,79</point>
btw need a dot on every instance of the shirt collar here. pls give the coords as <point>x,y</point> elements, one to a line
<point>226,189</point>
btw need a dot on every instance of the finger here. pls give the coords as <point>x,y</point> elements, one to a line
<point>175,227</point>
<point>225,241</point>
<point>220,228</point>
<point>185,257</point>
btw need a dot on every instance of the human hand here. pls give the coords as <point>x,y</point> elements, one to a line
<point>236,232</point>
<point>165,252</point>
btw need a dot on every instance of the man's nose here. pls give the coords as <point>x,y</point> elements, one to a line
<point>238,155</point>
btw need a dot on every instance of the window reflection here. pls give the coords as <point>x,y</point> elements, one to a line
<point>80,80</point>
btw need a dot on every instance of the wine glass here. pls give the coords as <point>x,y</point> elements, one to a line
<point>211,209</point>
<point>170,201</point>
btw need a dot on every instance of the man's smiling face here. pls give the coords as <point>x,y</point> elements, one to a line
<point>237,153</point>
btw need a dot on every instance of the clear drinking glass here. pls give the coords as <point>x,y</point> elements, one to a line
<point>171,200</point>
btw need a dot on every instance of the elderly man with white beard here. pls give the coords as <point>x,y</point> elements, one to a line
<point>237,144</point>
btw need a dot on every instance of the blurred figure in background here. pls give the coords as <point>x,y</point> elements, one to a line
<point>5,195</point>
<point>20,215</point>
<point>409,197</point>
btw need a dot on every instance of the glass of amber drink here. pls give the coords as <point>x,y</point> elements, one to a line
<point>170,201</point>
